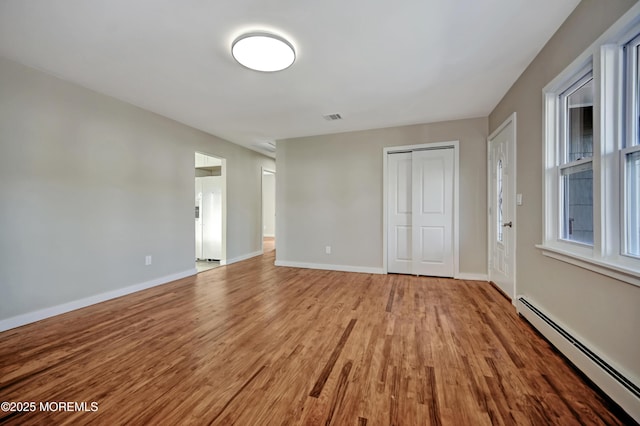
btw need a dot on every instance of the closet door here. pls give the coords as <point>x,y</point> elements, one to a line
<point>433,212</point>
<point>420,212</point>
<point>399,204</point>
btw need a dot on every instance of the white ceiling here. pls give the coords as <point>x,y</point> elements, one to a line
<point>378,63</point>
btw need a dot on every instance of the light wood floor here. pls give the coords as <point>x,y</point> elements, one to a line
<point>252,344</point>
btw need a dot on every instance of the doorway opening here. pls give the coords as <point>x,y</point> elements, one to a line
<point>268,210</point>
<point>210,212</point>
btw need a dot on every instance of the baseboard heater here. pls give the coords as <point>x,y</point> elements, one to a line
<point>618,387</point>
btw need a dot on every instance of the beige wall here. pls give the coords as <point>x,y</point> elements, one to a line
<point>330,193</point>
<point>90,185</point>
<point>603,312</point>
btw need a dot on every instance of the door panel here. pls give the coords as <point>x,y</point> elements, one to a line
<point>433,244</point>
<point>433,173</point>
<point>403,186</point>
<point>403,243</point>
<point>502,208</point>
<point>399,206</point>
<point>433,185</point>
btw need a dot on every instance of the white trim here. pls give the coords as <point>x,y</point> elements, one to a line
<point>385,197</point>
<point>610,269</point>
<point>223,172</point>
<point>594,372</point>
<point>472,277</point>
<point>606,172</point>
<point>514,207</point>
<point>339,268</point>
<point>23,319</point>
<point>456,196</point>
<point>456,209</point>
<point>241,258</point>
<point>367,270</point>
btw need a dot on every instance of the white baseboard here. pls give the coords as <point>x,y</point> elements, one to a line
<point>23,319</point>
<point>365,270</point>
<point>269,235</point>
<point>340,268</point>
<point>597,374</point>
<point>472,277</point>
<point>241,258</point>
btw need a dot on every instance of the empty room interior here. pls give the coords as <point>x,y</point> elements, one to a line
<point>406,213</point>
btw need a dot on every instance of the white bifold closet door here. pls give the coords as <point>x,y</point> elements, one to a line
<point>420,212</point>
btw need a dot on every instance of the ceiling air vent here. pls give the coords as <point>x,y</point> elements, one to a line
<point>267,146</point>
<point>332,117</point>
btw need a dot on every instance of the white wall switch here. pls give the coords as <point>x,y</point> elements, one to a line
<point>327,250</point>
<point>519,199</point>
<point>147,260</point>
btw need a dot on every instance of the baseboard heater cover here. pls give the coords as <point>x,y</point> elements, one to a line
<point>527,309</point>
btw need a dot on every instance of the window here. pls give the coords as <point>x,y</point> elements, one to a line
<point>576,161</point>
<point>592,157</point>
<point>630,152</point>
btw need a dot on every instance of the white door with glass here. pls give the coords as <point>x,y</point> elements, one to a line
<point>420,214</point>
<point>502,207</point>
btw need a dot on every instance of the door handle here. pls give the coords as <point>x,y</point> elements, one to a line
<point>509,224</point>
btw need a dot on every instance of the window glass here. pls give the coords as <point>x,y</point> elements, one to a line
<point>577,184</point>
<point>633,200</point>
<point>576,212</point>
<point>579,119</point>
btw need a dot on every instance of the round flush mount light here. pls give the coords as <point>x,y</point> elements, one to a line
<point>263,52</point>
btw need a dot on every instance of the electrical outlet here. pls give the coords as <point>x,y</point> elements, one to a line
<point>147,260</point>
<point>327,250</point>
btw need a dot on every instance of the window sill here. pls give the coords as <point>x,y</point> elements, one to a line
<point>614,270</point>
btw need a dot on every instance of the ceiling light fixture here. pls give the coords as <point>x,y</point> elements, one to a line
<point>263,52</point>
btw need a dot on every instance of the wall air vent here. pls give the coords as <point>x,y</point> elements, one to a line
<point>332,117</point>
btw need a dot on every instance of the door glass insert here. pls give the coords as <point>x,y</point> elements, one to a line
<point>499,200</point>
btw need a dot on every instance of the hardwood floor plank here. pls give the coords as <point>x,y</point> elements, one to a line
<point>224,407</point>
<point>392,294</point>
<point>254,344</point>
<point>338,395</point>
<point>328,368</point>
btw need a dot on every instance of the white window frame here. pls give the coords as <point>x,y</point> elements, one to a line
<point>630,143</point>
<point>554,158</point>
<point>606,59</point>
<point>575,81</point>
